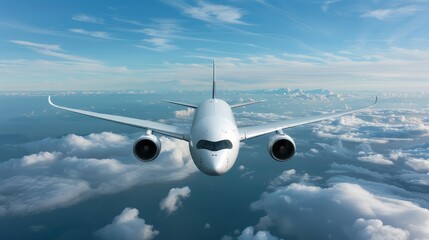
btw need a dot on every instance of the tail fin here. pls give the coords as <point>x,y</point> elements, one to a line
<point>214,81</point>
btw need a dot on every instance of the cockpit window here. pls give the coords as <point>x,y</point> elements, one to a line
<point>214,146</point>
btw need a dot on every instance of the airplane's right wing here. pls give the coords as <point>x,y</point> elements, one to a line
<point>165,129</point>
<point>265,128</point>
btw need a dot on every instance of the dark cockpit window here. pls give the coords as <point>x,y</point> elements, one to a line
<point>214,146</point>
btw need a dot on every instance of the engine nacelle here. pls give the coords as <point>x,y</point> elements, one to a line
<point>147,147</point>
<point>281,147</point>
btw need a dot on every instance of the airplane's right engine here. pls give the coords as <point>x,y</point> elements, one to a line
<point>281,147</point>
<point>147,147</point>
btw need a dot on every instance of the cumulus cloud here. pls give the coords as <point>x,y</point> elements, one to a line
<point>329,211</point>
<point>376,159</point>
<point>127,226</point>
<point>373,229</point>
<point>187,113</point>
<point>174,199</point>
<point>249,234</point>
<point>67,170</point>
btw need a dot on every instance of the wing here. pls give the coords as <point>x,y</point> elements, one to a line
<point>258,130</point>
<point>246,103</point>
<point>165,129</point>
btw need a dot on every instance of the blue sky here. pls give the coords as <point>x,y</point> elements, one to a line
<point>153,45</point>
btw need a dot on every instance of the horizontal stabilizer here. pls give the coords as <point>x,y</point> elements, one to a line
<point>181,104</point>
<point>245,103</point>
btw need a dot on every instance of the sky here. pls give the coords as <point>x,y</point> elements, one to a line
<point>150,45</point>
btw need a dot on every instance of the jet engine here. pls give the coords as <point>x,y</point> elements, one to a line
<point>281,147</point>
<point>147,147</point>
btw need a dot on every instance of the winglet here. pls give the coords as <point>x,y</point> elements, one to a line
<point>214,81</point>
<point>50,102</point>
<point>375,102</point>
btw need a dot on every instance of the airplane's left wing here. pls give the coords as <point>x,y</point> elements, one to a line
<point>265,128</point>
<point>165,129</point>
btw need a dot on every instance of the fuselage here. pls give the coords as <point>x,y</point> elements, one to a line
<point>214,138</point>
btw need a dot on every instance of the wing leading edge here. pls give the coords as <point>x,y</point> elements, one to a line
<point>165,129</point>
<point>265,128</point>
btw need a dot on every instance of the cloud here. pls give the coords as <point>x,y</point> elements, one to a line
<point>127,226</point>
<point>376,159</point>
<point>97,34</point>
<point>383,14</point>
<point>160,34</point>
<point>209,12</point>
<point>374,229</point>
<point>420,165</point>
<point>187,113</point>
<point>87,18</point>
<point>249,234</point>
<point>327,4</point>
<point>67,170</point>
<point>51,50</point>
<point>329,211</point>
<point>174,199</point>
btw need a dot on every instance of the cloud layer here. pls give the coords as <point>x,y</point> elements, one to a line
<point>67,170</point>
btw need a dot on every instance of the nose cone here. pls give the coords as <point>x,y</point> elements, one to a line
<point>215,167</point>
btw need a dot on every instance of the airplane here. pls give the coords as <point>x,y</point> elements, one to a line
<point>214,137</point>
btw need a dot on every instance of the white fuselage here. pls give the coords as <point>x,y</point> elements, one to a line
<point>214,138</point>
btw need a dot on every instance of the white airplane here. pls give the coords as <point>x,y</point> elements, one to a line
<point>214,138</point>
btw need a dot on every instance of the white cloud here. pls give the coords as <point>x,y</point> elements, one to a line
<point>327,4</point>
<point>87,18</point>
<point>174,199</point>
<point>383,14</point>
<point>209,12</point>
<point>420,165</point>
<point>329,211</point>
<point>160,34</point>
<point>38,158</point>
<point>186,113</point>
<point>127,226</point>
<point>376,159</point>
<point>249,234</point>
<point>97,34</point>
<point>373,229</point>
<point>51,50</point>
<point>73,168</point>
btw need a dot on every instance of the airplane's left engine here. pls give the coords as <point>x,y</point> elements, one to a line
<point>147,147</point>
<point>281,147</point>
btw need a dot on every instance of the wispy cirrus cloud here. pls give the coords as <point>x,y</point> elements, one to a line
<point>97,34</point>
<point>387,13</point>
<point>209,12</point>
<point>327,3</point>
<point>87,18</point>
<point>160,34</point>
<point>51,50</point>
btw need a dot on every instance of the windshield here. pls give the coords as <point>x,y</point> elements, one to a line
<point>214,146</point>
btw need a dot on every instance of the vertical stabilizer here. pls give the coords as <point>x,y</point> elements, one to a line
<point>214,81</point>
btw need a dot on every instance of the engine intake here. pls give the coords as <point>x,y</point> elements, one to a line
<point>147,147</point>
<point>281,147</point>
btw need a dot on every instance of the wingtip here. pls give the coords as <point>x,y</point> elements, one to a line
<point>50,101</point>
